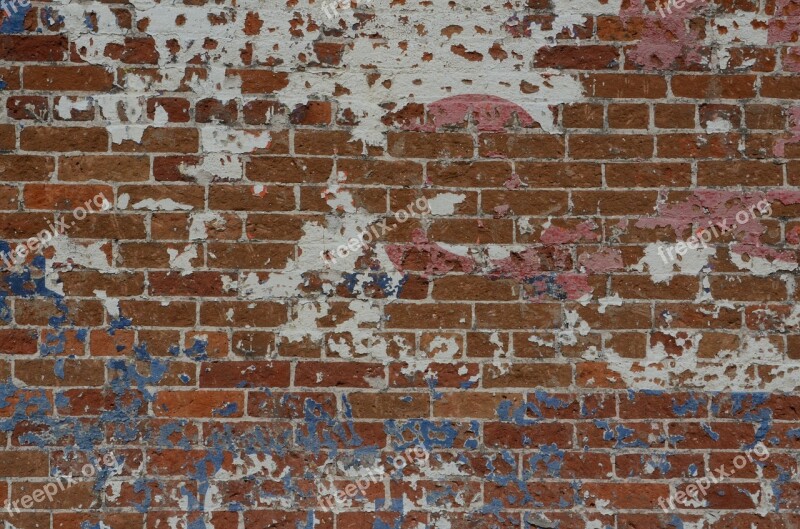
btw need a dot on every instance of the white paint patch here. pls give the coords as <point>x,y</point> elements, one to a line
<point>760,266</point>
<point>445,203</point>
<point>614,300</point>
<point>111,304</point>
<point>199,221</point>
<point>662,268</point>
<point>219,138</point>
<point>163,204</point>
<point>66,104</point>
<point>182,260</point>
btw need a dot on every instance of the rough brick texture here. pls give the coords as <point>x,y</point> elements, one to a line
<point>577,296</point>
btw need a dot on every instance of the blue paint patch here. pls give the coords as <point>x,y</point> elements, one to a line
<point>367,282</point>
<point>319,430</point>
<point>711,433</point>
<point>197,352</point>
<point>551,459</point>
<point>550,402</point>
<point>58,368</point>
<point>430,434</point>
<point>119,323</point>
<point>228,410</point>
<point>547,285</point>
<point>659,462</point>
<point>87,21</point>
<point>506,412</point>
<point>691,407</point>
<point>15,20</point>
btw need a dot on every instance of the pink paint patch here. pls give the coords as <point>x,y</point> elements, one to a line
<point>794,121</point>
<point>791,61</point>
<point>531,262</point>
<point>602,261</point>
<point>513,183</point>
<point>430,258</point>
<point>783,30</point>
<point>793,235</point>
<point>558,235</point>
<point>705,207</point>
<point>576,286</point>
<point>561,286</point>
<point>519,266</point>
<point>488,113</point>
<point>664,40</point>
<point>785,197</point>
<point>501,211</point>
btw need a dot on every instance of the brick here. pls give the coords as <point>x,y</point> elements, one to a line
<point>577,57</point>
<point>583,116</point>
<point>648,174</point>
<point>162,140</point>
<point>105,168</point>
<point>288,170</point>
<point>430,316</point>
<point>474,288</point>
<point>429,145</point>
<point>469,174</point>
<point>625,86</point>
<point>628,116</point>
<point>388,405</point>
<point>210,110</point>
<point>64,197</point>
<point>251,198</point>
<point>18,341</point>
<point>339,374</point>
<point>501,435</point>
<point>244,374</point>
<point>20,167</point>
<point>739,173</point>
<point>199,404</point>
<point>675,116</point>
<point>27,107</point>
<point>260,81</point>
<point>605,147</point>
<point>780,87</point>
<point>714,87</point>
<point>154,314</point>
<point>202,284</point>
<point>175,108</point>
<point>528,375</point>
<point>88,78</point>
<point>537,174</point>
<point>64,139</point>
<point>243,314</point>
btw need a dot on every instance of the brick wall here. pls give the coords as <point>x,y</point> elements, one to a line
<point>427,264</point>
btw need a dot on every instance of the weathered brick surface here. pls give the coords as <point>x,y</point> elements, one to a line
<point>525,309</point>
